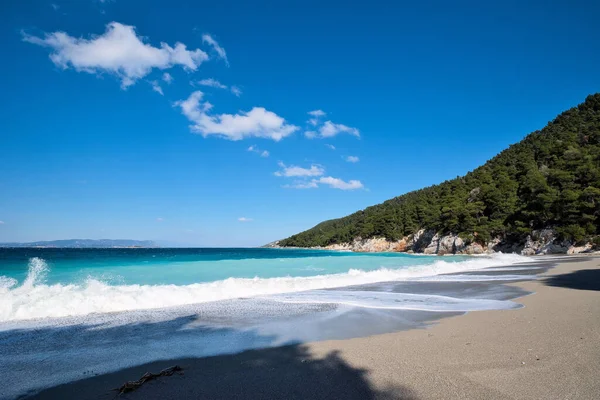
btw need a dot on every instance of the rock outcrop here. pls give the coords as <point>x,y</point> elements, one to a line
<point>426,242</point>
<point>543,241</point>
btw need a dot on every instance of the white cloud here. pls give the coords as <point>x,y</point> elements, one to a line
<point>55,6</point>
<point>302,185</point>
<point>352,159</point>
<point>1,222</point>
<point>118,51</point>
<point>258,122</point>
<point>329,129</point>
<point>156,87</point>
<point>210,82</point>
<point>244,219</point>
<point>167,77</point>
<point>340,184</point>
<point>330,146</point>
<point>294,171</point>
<point>160,219</point>
<point>316,115</point>
<point>218,49</point>
<point>335,183</point>
<point>236,91</point>
<point>255,149</point>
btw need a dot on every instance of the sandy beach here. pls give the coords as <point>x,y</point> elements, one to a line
<point>549,349</point>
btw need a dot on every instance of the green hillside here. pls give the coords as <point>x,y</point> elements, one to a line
<point>551,178</point>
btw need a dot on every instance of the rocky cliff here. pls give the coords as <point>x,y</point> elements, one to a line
<point>428,242</point>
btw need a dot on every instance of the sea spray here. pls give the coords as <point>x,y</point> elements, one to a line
<point>36,273</point>
<point>35,299</point>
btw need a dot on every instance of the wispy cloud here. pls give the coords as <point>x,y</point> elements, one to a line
<point>118,51</point>
<point>55,6</point>
<point>156,87</point>
<point>236,91</point>
<point>218,49</point>
<point>245,219</point>
<point>255,149</point>
<point>316,114</point>
<point>352,159</point>
<point>295,171</point>
<point>330,146</point>
<point>332,182</point>
<point>1,222</point>
<point>329,129</point>
<point>160,219</point>
<point>340,184</point>
<point>258,122</point>
<point>167,77</point>
<point>210,82</point>
<point>312,177</point>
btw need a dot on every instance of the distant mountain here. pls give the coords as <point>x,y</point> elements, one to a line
<point>85,243</point>
<point>548,182</point>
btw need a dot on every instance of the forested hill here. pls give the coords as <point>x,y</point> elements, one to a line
<point>550,179</point>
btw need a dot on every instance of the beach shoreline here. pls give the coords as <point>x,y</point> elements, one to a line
<point>546,349</point>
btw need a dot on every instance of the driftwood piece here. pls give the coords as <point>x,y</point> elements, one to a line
<point>148,376</point>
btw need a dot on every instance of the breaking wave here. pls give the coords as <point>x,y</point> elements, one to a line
<point>35,299</point>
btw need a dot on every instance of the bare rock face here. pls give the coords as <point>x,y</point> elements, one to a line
<point>450,244</point>
<point>474,248</point>
<point>339,246</point>
<point>491,246</point>
<point>433,246</point>
<point>401,245</point>
<point>530,248</point>
<point>421,240</point>
<point>580,249</point>
<point>541,241</point>
<point>374,245</point>
<point>459,245</point>
<point>544,241</point>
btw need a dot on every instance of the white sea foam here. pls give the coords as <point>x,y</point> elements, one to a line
<point>475,278</point>
<point>7,283</point>
<point>34,299</point>
<point>395,301</point>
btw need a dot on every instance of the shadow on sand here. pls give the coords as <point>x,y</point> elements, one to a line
<point>588,279</point>
<point>288,372</point>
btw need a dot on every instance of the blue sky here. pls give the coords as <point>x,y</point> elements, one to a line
<point>407,95</point>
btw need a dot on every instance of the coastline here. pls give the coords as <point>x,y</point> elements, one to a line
<point>546,349</point>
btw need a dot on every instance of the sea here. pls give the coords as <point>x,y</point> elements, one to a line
<point>67,314</point>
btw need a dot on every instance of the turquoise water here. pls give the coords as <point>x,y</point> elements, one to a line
<point>54,283</point>
<point>188,266</point>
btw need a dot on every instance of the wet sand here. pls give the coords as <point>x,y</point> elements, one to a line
<point>550,349</point>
